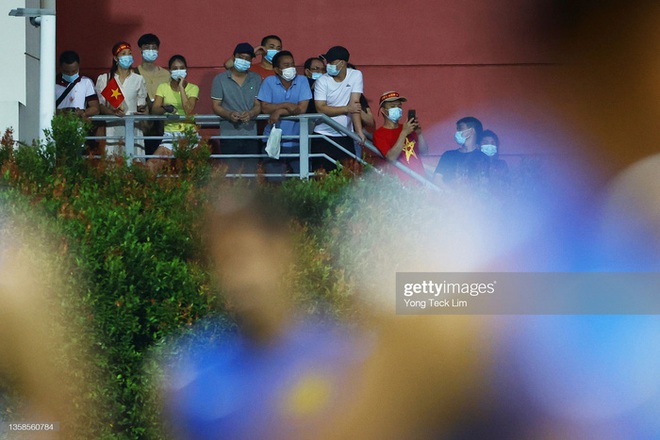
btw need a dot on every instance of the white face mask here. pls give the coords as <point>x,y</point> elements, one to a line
<point>489,149</point>
<point>289,73</point>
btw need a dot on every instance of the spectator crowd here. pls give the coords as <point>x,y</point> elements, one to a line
<point>329,85</point>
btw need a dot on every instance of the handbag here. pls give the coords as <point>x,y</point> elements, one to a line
<point>273,143</point>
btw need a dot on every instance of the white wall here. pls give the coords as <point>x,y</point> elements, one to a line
<point>12,31</point>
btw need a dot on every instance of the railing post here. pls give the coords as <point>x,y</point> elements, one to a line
<point>304,147</point>
<point>129,136</point>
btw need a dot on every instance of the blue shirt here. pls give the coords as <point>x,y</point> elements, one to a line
<point>272,91</point>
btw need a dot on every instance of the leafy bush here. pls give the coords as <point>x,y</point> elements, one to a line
<point>134,238</point>
<point>131,245</point>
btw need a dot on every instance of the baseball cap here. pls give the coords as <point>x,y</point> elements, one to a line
<point>336,53</point>
<point>390,96</point>
<point>244,48</point>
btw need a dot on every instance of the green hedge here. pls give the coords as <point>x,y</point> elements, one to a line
<point>131,246</point>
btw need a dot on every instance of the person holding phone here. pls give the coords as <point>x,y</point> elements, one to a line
<point>176,97</point>
<point>134,90</point>
<point>400,142</point>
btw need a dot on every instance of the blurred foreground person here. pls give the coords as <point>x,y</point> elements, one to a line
<point>35,347</point>
<point>285,376</point>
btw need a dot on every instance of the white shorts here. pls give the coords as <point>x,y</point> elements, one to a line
<point>169,137</point>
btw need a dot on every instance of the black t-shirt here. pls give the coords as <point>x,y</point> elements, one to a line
<point>455,165</point>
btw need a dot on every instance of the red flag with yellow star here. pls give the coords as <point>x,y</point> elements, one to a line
<point>112,93</point>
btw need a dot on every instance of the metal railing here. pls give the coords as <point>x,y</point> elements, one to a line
<point>307,122</point>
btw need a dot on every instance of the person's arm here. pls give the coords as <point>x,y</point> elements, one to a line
<point>93,108</point>
<point>357,118</point>
<point>223,112</point>
<point>253,112</point>
<point>394,152</point>
<point>284,109</point>
<point>189,102</point>
<point>323,107</point>
<point>367,118</point>
<point>142,108</point>
<point>157,107</point>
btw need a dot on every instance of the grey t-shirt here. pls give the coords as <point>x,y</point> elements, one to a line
<point>236,98</point>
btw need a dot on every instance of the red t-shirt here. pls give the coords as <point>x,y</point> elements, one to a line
<point>384,140</point>
<point>263,73</point>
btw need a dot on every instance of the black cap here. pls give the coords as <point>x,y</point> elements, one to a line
<point>244,48</point>
<point>336,53</point>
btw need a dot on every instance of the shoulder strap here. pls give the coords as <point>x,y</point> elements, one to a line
<point>67,91</point>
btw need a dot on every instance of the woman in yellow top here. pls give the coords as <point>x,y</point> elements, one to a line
<point>177,97</point>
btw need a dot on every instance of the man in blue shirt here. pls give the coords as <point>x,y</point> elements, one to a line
<point>284,94</point>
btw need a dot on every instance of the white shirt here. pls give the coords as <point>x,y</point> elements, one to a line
<point>77,97</point>
<point>337,94</point>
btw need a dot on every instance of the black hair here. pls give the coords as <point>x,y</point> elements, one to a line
<point>270,37</point>
<point>148,39</point>
<point>69,57</point>
<point>174,58</point>
<point>113,69</point>
<point>308,62</point>
<point>472,122</point>
<point>279,55</point>
<point>492,134</point>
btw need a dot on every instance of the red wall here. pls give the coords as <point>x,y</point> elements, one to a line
<point>451,59</point>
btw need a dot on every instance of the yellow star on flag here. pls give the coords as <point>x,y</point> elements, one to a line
<point>409,149</point>
<point>116,93</point>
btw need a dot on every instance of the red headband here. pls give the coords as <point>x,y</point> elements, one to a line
<point>121,47</point>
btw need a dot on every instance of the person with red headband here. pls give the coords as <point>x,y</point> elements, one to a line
<point>133,97</point>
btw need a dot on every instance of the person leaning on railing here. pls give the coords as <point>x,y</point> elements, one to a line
<point>133,93</point>
<point>176,97</point>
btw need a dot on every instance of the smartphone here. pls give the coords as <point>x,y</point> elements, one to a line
<point>412,114</point>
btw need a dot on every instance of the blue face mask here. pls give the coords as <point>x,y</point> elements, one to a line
<point>149,55</point>
<point>270,53</point>
<point>394,114</point>
<point>460,138</point>
<point>489,149</point>
<point>125,61</point>
<point>70,78</point>
<point>316,75</point>
<point>179,73</point>
<point>332,69</point>
<point>241,65</point>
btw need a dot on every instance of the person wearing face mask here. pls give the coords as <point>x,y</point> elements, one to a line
<point>270,45</point>
<point>498,170</point>
<point>400,142</point>
<point>283,95</point>
<point>153,75</point>
<point>74,92</point>
<point>133,88</point>
<point>467,162</point>
<point>314,68</point>
<point>176,97</point>
<point>337,94</point>
<point>234,95</point>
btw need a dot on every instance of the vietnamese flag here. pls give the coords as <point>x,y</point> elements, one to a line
<point>112,93</point>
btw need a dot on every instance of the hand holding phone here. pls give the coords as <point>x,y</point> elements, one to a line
<point>169,108</point>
